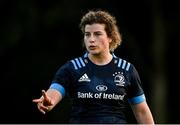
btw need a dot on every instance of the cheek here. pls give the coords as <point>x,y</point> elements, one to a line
<point>104,43</point>
<point>85,42</point>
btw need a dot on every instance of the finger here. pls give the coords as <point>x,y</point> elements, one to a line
<point>42,111</point>
<point>37,100</point>
<point>43,108</point>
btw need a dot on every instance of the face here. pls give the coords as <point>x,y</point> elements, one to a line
<point>96,39</point>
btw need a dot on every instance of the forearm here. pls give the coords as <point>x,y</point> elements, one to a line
<point>144,117</point>
<point>143,114</point>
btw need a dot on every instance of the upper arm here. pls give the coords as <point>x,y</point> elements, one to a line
<point>137,99</point>
<point>135,91</point>
<point>62,79</point>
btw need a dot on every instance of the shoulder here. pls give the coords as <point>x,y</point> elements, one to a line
<point>78,62</point>
<point>127,67</point>
<point>123,64</point>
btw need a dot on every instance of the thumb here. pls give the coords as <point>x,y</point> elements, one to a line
<point>46,98</point>
<point>44,94</point>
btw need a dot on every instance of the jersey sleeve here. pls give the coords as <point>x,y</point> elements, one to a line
<point>62,79</point>
<point>135,91</point>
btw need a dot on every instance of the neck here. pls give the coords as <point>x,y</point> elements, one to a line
<point>100,59</point>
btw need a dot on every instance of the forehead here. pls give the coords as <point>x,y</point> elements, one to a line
<point>95,27</point>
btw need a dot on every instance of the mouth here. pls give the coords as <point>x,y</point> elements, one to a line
<point>92,47</point>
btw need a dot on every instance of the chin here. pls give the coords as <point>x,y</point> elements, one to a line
<point>93,52</point>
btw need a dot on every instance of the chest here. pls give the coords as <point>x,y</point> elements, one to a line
<point>101,83</point>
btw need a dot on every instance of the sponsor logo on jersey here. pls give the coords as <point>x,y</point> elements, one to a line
<point>101,95</point>
<point>101,88</point>
<point>84,78</point>
<point>119,79</point>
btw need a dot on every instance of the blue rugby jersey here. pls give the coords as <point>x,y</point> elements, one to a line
<point>99,91</point>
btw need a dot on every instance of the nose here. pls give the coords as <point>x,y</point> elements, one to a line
<point>91,39</point>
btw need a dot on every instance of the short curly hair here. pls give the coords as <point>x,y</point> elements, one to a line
<point>103,17</point>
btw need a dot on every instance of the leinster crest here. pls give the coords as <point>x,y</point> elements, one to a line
<point>119,79</point>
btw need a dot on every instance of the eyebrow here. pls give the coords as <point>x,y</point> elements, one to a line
<point>94,32</point>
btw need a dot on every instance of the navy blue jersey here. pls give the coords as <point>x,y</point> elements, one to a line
<point>99,92</point>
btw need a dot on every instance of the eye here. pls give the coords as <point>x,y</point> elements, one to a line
<point>97,33</point>
<point>87,34</point>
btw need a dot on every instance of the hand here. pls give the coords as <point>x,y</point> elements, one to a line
<point>44,103</point>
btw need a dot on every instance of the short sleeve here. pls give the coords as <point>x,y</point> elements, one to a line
<point>135,91</point>
<point>62,79</point>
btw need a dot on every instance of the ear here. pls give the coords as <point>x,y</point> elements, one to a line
<point>110,40</point>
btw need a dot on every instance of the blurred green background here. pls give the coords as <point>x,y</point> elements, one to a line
<point>38,36</point>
